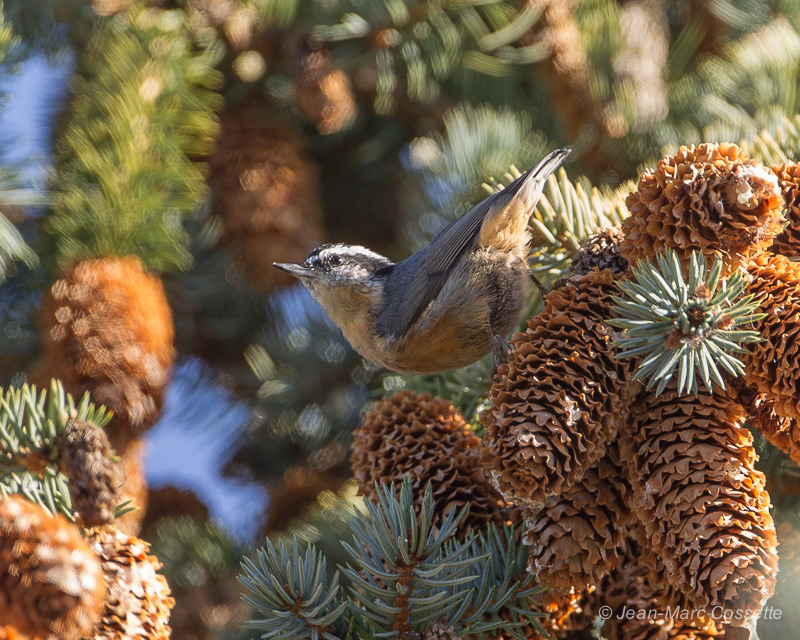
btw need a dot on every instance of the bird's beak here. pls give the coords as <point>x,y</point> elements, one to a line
<point>297,270</point>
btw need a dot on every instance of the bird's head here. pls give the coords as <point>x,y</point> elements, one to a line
<point>337,267</point>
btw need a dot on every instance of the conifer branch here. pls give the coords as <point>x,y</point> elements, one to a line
<point>686,328</point>
<point>31,424</point>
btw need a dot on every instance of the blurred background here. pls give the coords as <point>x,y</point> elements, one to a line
<point>175,149</point>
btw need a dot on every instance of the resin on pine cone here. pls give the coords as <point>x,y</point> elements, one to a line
<point>579,535</point>
<point>266,192</point>
<point>559,399</point>
<point>787,242</point>
<point>703,504</point>
<point>427,440</point>
<point>771,367</point>
<point>51,581</point>
<point>710,198</point>
<point>139,602</point>
<point>107,329</point>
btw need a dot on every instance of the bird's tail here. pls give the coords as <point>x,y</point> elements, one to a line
<point>505,222</point>
<point>533,182</point>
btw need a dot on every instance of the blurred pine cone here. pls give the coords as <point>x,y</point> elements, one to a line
<point>321,91</point>
<point>51,582</point>
<point>297,489</point>
<point>426,439</point>
<point>710,198</point>
<point>559,400</point>
<point>266,192</point>
<point>703,504</point>
<point>772,366</point>
<point>788,241</point>
<point>84,457</point>
<point>579,535</point>
<point>138,603</point>
<point>107,329</point>
<point>600,250</point>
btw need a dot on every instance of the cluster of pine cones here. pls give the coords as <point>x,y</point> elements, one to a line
<point>629,499</point>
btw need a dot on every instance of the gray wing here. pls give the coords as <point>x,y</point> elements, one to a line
<point>417,280</point>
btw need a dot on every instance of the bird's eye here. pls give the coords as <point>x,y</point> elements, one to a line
<point>336,261</point>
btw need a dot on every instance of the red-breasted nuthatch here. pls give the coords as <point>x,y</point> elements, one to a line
<point>442,307</point>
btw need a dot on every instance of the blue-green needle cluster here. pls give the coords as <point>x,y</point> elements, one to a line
<point>404,576</point>
<point>684,329</point>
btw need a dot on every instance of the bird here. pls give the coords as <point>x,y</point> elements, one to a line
<point>447,305</point>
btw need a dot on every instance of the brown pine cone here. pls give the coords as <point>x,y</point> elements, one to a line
<point>787,242</point>
<point>703,504</point>
<point>600,250</point>
<point>266,192</point>
<point>84,457</point>
<point>138,603</point>
<point>107,329</point>
<point>51,582</point>
<point>579,535</point>
<point>558,401</point>
<point>771,367</point>
<point>427,440</point>
<point>710,198</point>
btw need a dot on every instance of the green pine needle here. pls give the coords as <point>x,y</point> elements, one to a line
<point>688,331</point>
<point>30,424</point>
<point>292,593</point>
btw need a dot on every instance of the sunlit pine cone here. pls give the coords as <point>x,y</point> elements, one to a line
<point>139,602</point>
<point>710,198</point>
<point>266,193</point>
<point>322,92</point>
<point>579,535</point>
<point>51,582</point>
<point>427,440</point>
<point>107,329</point>
<point>600,250</point>
<point>787,242</point>
<point>559,399</point>
<point>772,367</point>
<point>84,457</point>
<point>704,506</point>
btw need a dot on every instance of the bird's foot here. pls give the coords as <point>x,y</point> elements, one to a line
<point>500,349</point>
<point>543,291</point>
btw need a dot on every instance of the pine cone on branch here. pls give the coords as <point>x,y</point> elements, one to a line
<point>427,439</point>
<point>85,458</point>
<point>139,602</point>
<point>51,582</point>
<point>771,367</point>
<point>710,198</point>
<point>703,504</point>
<point>107,329</point>
<point>558,401</point>
<point>787,242</point>
<point>579,535</point>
